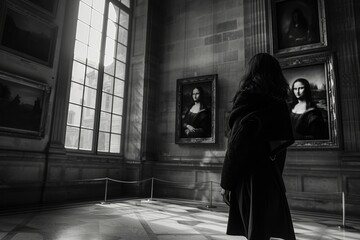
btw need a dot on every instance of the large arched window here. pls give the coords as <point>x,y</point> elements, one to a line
<point>98,79</point>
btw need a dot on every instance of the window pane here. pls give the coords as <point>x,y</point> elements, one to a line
<point>95,39</point>
<point>88,2</point>
<point>122,35</point>
<point>96,20</point>
<point>108,84</point>
<point>119,88</point>
<point>120,70</point>
<point>118,106</point>
<point>106,102</point>
<point>91,77</point>
<point>72,137</point>
<point>88,118</point>
<point>126,3</point>
<point>99,5</point>
<point>113,12</point>
<point>116,122</point>
<point>109,65</point>
<point>115,143</point>
<point>80,51</point>
<point>74,114</point>
<point>111,29</point>
<point>76,93</point>
<point>78,72</point>
<point>124,19</point>
<point>86,138</point>
<point>110,47</point>
<point>121,52</point>
<point>89,97</point>
<point>84,13</point>
<point>103,142</point>
<point>82,32</point>
<point>93,57</point>
<point>105,121</point>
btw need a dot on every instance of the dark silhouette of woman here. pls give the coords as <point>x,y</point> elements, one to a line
<point>260,133</point>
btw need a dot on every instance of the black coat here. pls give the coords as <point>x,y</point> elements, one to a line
<point>252,170</point>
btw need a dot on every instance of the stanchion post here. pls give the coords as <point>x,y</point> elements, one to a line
<point>152,189</point>
<point>210,193</point>
<point>343,203</point>
<point>210,205</point>
<point>343,209</point>
<point>106,189</point>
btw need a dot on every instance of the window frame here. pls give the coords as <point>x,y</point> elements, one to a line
<point>100,80</point>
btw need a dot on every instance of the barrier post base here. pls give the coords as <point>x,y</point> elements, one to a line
<point>210,206</point>
<point>340,227</point>
<point>148,200</point>
<point>104,203</point>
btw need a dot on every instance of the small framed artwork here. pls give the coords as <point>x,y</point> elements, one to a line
<point>312,100</point>
<point>196,110</point>
<point>297,25</point>
<point>27,36</point>
<point>23,106</point>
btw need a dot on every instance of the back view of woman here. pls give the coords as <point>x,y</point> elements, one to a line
<point>252,170</point>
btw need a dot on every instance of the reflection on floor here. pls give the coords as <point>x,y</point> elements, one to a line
<point>141,219</point>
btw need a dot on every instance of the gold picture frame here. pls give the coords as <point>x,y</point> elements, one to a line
<point>319,71</point>
<point>297,26</point>
<point>199,127</point>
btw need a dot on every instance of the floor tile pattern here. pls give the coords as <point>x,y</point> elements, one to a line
<point>138,219</point>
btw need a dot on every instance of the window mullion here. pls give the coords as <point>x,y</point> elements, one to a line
<point>100,80</point>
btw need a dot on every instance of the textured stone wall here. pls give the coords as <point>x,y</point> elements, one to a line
<point>198,38</point>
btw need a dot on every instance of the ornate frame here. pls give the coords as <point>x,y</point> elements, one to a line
<point>23,106</point>
<point>280,16</point>
<point>26,35</point>
<point>319,70</point>
<point>184,99</point>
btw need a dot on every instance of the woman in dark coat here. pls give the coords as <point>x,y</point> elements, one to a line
<point>252,171</point>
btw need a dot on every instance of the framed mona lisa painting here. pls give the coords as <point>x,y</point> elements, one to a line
<point>312,100</point>
<point>195,109</point>
<point>297,25</point>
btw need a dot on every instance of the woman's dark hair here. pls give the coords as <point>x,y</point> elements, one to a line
<point>264,76</point>
<point>307,94</point>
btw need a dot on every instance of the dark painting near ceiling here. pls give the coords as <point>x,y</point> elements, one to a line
<point>28,37</point>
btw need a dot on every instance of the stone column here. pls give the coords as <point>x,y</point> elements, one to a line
<point>256,28</point>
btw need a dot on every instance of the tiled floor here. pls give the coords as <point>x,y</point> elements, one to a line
<point>153,220</point>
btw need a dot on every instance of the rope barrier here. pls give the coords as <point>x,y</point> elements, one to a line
<point>120,181</point>
<point>90,180</point>
<point>161,180</point>
<point>107,179</point>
